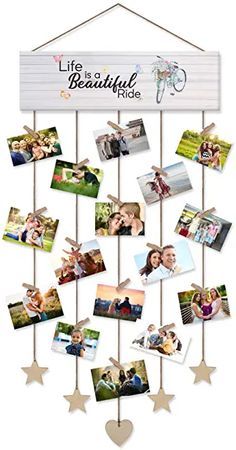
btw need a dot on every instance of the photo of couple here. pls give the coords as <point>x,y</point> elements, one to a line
<point>74,340</point>
<point>34,306</point>
<point>84,180</point>
<point>162,341</point>
<point>113,220</point>
<point>158,264</point>
<point>110,382</point>
<point>37,231</point>
<point>206,229</point>
<point>156,187</point>
<point>209,304</point>
<point>209,150</point>
<point>25,149</point>
<point>126,304</point>
<point>121,140</point>
<point>77,263</point>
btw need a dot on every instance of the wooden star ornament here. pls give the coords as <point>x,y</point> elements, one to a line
<point>161,400</point>
<point>34,373</point>
<point>77,400</point>
<point>202,372</point>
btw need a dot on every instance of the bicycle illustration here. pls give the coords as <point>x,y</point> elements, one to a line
<point>168,74</point>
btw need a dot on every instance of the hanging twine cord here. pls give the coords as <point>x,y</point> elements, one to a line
<point>203,246</point>
<point>118,276</point>
<point>34,250</point>
<point>161,242</point>
<point>77,239</point>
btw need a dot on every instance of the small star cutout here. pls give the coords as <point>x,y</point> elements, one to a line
<point>77,400</point>
<point>161,400</point>
<point>202,372</point>
<point>34,373</point>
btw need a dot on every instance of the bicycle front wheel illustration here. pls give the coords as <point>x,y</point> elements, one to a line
<point>161,84</point>
<point>180,80</point>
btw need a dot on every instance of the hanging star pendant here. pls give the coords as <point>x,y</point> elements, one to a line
<point>77,400</point>
<point>202,372</point>
<point>34,373</point>
<point>161,400</point>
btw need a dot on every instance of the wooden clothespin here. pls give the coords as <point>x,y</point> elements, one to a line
<point>166,327</point>
<point>81,323</point>
<point>115,126</point>
<point>38,212</point>
<point>30,286</point>
<point>32,133</point>
<point>122,285</point>
<point>160,171</point>
<point>115,200</point>
<point>154,247</point>
<point>207,129</point>
<point>198,288</point>
<point>73,243</point>
<point>81,164</point>
<point>207,211</point>
<point>116,363</point>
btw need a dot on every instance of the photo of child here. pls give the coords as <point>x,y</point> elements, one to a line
<point>162,341</point>
<point>30,230</point>
<point>126,304</point>
<point>126,219</point>
<point>84,180</point>
<point>34,306</point>
<point>25,149</point>
<point>210,304</point>
<point>74,340</point>
<point>208,150</point>
<point>206,229</point>
<point>156,187</point>
<point>122,140</point>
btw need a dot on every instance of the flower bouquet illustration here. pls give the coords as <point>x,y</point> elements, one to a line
<point>168,74</point>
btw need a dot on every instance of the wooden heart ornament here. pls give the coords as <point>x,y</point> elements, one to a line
<point>119,434</point>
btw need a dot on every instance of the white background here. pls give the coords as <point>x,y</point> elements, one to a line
<point>34,416</point>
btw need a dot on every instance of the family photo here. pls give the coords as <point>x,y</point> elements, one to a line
<point>110,382</point>
<point>126,139</point>
<point>209,150</point>
<point>74,340</point>
<point>76,263</point>
<point>206,229</point>
<point>156,187</point>
<point>155,265</point>
<point>163,341</point>
<point>209,304</point>
<point>25,149</point>
<point>126,304</point>
<point>30,230</point>
<point>126,219</point>
<point>34,306</point>
<point>84,180</point>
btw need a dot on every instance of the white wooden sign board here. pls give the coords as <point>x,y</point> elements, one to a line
<point>125,81</point>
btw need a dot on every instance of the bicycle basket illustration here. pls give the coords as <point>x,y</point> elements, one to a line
<point>168,74</point>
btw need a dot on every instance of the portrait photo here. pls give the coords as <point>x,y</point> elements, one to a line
<point>125,304</point>
<point>74,340</point>
<point>126,139</point>
<point>127,219</point>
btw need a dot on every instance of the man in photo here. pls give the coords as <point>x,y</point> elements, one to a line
<point>30,307</point>
<point>132,223</point>
<point>123,143</point>
<point>168,266</point>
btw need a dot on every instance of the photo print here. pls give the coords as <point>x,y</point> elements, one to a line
<point>126,139</point>
<point>209,304</point>
<point>127,219</point>
<point>37,231</point>
<point>206,229</point>
<point>25,149</point>
<point>126,304</point>
<point>209,150</point>
<point>158,264</point>
<point>111,382</point>
<point>73,340</point>
<point>76,263</point>
<point>84,180</point>
<point>156,187</point>
<point>165,341</point>
<point>34,306</point>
